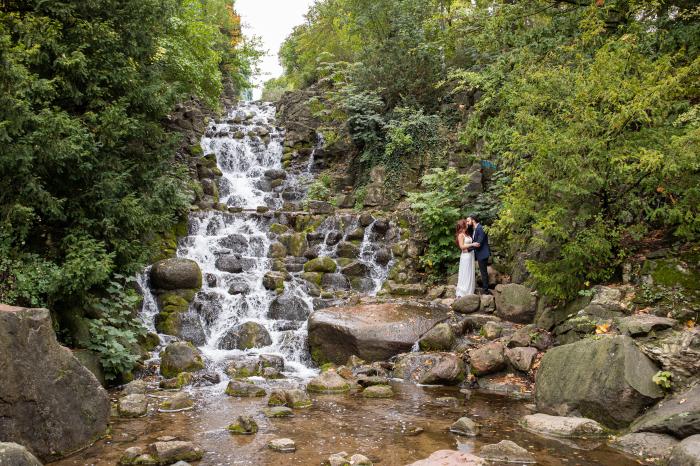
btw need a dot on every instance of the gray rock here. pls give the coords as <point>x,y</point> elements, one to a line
<point>677,415</point>
<point>642,324</point>
<point>487,359</point>
<point>236,243</point>
<point>174,451</point>
<point>686,453</point>
<point>176,273</point>
<point>488,303</point>
<point>245,336</point>
<point>278,411</point>
<point>12,454</point>
<point>347,250</point>
<point>355,269</point>
<point>506,451</point>
<point>335,282</point>
<point>378,391</point>
<point>521,358</point>
<point>244,425</point>
<point>561,426</point>
<point>450,458</point>
<point>373,332</point>
<point>229,263</point>
<point>608,380</point>
<point>439,338</point>
<point>135,387</point>
<point>465,426</point>
<point>282,445</point>
<point>43,384</point>
<point>515,303</point>
<point>467,304</point>
<point>430,368</point>
<point>646,445</point>
<point>321,207</point>
<point>492,330</point>
<point>180,401</point>
<point>135,405</point>
<point>180,357</point>
<point>288,308</point>
<point>244,389</point>
<point>328,382</point>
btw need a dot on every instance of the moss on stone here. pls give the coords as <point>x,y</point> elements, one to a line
<point>278,228</point>
<point>312,277</point>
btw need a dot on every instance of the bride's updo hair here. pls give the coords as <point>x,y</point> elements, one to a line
<point>462,227</point>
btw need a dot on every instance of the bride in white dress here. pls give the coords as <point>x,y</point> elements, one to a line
<point>466,281</point>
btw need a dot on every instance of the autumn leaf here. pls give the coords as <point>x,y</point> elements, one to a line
<point>602,328</point>
<point>690,323</point>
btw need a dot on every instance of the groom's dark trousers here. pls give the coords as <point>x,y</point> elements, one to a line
<point>482,254</point>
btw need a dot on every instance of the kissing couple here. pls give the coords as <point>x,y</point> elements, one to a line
<point>473,241</point>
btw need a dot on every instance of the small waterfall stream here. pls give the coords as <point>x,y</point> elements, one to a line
<point>232,248</point>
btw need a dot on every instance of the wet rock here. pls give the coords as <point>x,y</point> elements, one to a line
<point>244,389</point>
<point>289,308</point>
<point>176,273</point>
<point>135,387</point>
<point>321,264</point>
<point>278,411</point>
<point>235,243</point>
<point>238,288</point>
<point>372,332</point>
<point>356,235</point>
<point>230,264</point>
<point>521,337</point>
<point>561,426</point>
<point>369,380</point>
<point>439,338</point>
<point>136,455</point>
<point>135,405</point>
<point>328,382</point>
<point>382,256</point>
<point>430,368</point>
<point>492,330</point>
<point>43,384</point>
<point>608,380</point>
<point>174,451</point>
<point>515,303</point>
<point>507,452</point>
<point>360,460</point>
<point>206,378</point>
<point>467,304</point>
<point>277,250</point>
<point>243,367</point>
<point>282,445</point>
<point>178,402</point>
<point>487,359</point>
<point>335,282</point>
<point>686,453</point>
<point>465,426</point>
<point>274,280</point>
<point>321,207</point>
<point>333,238</point>
<point>275,174</point>
<point>677,415</point>
<point>642,324</point>
<point>521,358</point>
<point>244,425</point>
<point>180,357</point>
<point>378,391</point>
<point>13,454</point>
<point>646,445</point>
<point>450,458</point>
<point>271,360</point>
<point>474,322</point>
<point>245,336</point>
<point>297,398</point>
<point>347,250</point>
<point>176,383</point>
<point>296,243</point>
<point>355,269</point>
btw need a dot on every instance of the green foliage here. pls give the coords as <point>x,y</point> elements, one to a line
<point>663,379</point>
<point>439,207</point>
<point>87,165</point>
<point>320,189</point>
<point>114,334</point>
<point>274,88</point>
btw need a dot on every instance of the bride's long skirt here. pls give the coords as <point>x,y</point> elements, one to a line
<point>466,281</point>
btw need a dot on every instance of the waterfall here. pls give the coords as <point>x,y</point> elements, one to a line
<point>232,248</point>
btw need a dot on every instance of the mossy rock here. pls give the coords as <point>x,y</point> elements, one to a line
<point>322,264</point>
<point>278,412</point>
<point>327,366</point>
<point>671,273</point>
<point>196,150</point>
<point>180,357</point>
<point>313,277</point>
<point>244,425</point>
<point>278,228</point>
<point>344,261</point>
<point>244,389</point>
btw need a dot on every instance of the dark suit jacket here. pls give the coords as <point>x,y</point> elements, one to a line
<point>480,236</point>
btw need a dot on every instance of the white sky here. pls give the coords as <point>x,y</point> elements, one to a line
<point>272,21</point>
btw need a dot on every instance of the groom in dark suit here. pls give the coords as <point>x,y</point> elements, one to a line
<point>481,250</point>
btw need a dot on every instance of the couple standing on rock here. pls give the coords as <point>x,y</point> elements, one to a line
<point>474,243</point>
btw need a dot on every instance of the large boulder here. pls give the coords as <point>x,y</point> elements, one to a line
<point>430,368</point>
<point>515,303</point>
<point>176,273</point>
<point>12,454</point>
<point>374,332</point>
<point>245,336</point>
<point>609,380</point>
<point>43,384</point>
<point>180,357</point>
<point>677,415</point>
<point>686,453</point>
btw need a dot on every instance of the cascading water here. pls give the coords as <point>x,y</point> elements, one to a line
<point>232,248</point>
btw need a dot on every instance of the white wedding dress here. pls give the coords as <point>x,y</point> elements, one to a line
<point>466,281</point>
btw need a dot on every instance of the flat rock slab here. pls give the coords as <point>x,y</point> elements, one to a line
<point>282,445</point>
<point>678,415</point>
<point>643,323</point>
<point>506,451</point>
<point>374,332</point>
<point>561,426</point>
<point>450,458</point>
<point>646,445</point>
